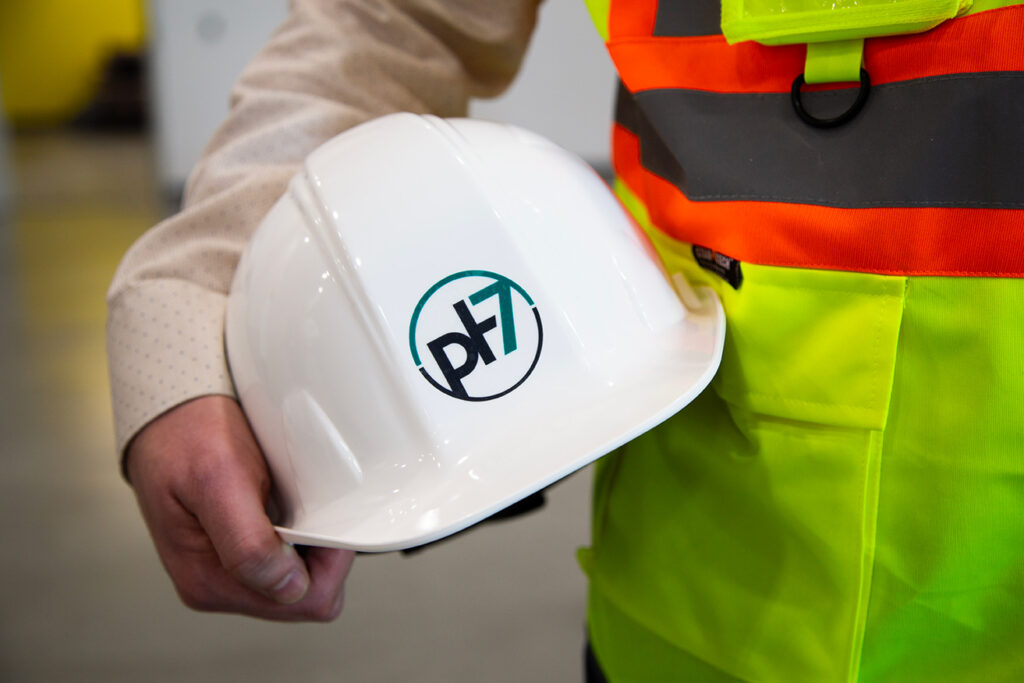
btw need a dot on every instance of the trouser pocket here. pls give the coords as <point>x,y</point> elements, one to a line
<point>742,530</point>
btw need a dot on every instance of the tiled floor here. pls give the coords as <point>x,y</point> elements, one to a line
<point>82,595</point>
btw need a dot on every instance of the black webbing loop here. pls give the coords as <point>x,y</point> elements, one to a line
<point>846,116</point>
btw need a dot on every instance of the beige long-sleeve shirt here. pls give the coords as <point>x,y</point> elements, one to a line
<point>331,65</point>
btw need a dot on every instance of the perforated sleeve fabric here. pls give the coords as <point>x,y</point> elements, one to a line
<point>330,66</point>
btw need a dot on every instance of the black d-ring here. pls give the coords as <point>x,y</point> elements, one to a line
<point>809,119</point>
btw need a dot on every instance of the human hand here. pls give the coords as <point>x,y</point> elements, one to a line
<point>202,485</point>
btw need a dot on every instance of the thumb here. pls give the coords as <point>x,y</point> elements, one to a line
<point>233,516</point>
<point>270,567</point>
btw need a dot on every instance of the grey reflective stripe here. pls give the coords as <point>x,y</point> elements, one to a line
<point>950,141</point>
<point>654,155</point>
<point>688,18</point>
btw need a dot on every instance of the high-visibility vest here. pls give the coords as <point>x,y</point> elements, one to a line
<point>847,502</point>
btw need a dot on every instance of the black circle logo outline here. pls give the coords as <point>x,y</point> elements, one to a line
<point>433,290</point>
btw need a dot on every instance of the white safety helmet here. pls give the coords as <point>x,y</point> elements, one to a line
<point>441,317</point>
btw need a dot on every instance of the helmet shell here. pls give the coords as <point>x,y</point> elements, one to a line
<point>441,317</point>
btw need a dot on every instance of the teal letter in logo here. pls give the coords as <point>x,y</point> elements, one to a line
<point>503,288</point>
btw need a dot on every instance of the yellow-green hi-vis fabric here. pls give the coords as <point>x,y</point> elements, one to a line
<point>845,505</point>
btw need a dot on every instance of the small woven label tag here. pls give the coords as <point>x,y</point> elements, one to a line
<point>721,265</point>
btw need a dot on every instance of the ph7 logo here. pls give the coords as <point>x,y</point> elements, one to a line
<point>476,335</point>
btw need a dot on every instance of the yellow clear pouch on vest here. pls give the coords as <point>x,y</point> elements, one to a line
<point>786,22</point>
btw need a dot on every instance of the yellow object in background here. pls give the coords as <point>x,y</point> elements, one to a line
<point>52,53</point>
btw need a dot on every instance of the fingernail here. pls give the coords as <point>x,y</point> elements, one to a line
<point>291,588</point>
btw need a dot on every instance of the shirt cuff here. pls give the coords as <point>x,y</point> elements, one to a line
<point>165,346</point>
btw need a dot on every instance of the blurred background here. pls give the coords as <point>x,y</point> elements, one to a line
<point>105,106</point>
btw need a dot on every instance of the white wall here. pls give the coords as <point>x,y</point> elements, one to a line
<point>200,46</point>
<point>566,87</point>
<point>197,50</point>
